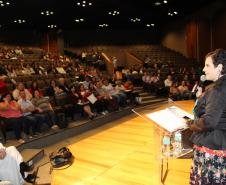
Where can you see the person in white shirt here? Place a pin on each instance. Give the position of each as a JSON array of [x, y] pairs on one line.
[[120, 96], [10, 160], [13, 170], [16, 92], [169, 81]]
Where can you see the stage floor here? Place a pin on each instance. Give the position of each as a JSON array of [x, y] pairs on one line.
[[124, 152]]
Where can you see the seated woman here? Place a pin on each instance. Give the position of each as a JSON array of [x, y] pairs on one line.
[[81, 103], [11, 115], [34, 87], [100, 104], [53, 89], [174, 92], [184, 91], [12, 167], [134, 97]]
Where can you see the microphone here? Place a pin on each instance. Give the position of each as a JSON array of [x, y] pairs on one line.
[[203, 78]]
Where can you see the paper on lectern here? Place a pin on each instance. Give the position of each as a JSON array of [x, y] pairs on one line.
[[171, 118]]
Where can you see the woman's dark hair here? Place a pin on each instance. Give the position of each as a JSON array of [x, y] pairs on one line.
[[4, 95], [219, 57]]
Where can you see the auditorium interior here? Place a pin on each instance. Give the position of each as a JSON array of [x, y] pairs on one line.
[[93, 72]]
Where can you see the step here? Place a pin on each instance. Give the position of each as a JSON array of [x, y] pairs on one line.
[[138, 91], [149, 102], [144, 94], [149, 97]]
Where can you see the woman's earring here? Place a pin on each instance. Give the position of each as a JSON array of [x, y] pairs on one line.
[[219, 75]]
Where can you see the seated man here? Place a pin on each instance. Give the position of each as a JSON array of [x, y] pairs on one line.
[[45, 109], [28, 111], [20, 87], [11, 162]]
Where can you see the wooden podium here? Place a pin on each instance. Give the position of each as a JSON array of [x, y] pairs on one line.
[[163, 121]]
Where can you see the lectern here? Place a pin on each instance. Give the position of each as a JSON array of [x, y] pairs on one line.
[[170, 118]]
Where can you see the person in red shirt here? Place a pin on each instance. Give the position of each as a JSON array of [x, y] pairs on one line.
[[11, 115]]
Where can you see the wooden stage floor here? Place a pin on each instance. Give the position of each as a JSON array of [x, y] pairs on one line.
[[124, 152]]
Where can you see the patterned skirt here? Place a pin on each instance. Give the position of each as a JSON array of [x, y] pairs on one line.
[[208, 167]]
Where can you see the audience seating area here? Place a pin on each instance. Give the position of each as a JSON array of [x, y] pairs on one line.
[[65, 82], [79, 85]]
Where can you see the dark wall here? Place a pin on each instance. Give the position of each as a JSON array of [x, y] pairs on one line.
[[219, 31], [205, 30], [54, 41], [20, 37], [110, 37]]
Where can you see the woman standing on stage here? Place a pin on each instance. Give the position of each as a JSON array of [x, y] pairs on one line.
[[209, 126]]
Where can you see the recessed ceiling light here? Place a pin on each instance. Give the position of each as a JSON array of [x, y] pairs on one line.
[[103, 25], [113, 13], [149, 25], [84, 3], [19, 21], [157, 3], [135, 19], [52, 26], [172, 13], [6, 3], [47, 13], [79, 20]]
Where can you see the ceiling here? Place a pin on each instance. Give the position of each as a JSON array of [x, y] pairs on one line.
[[95, 14]]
